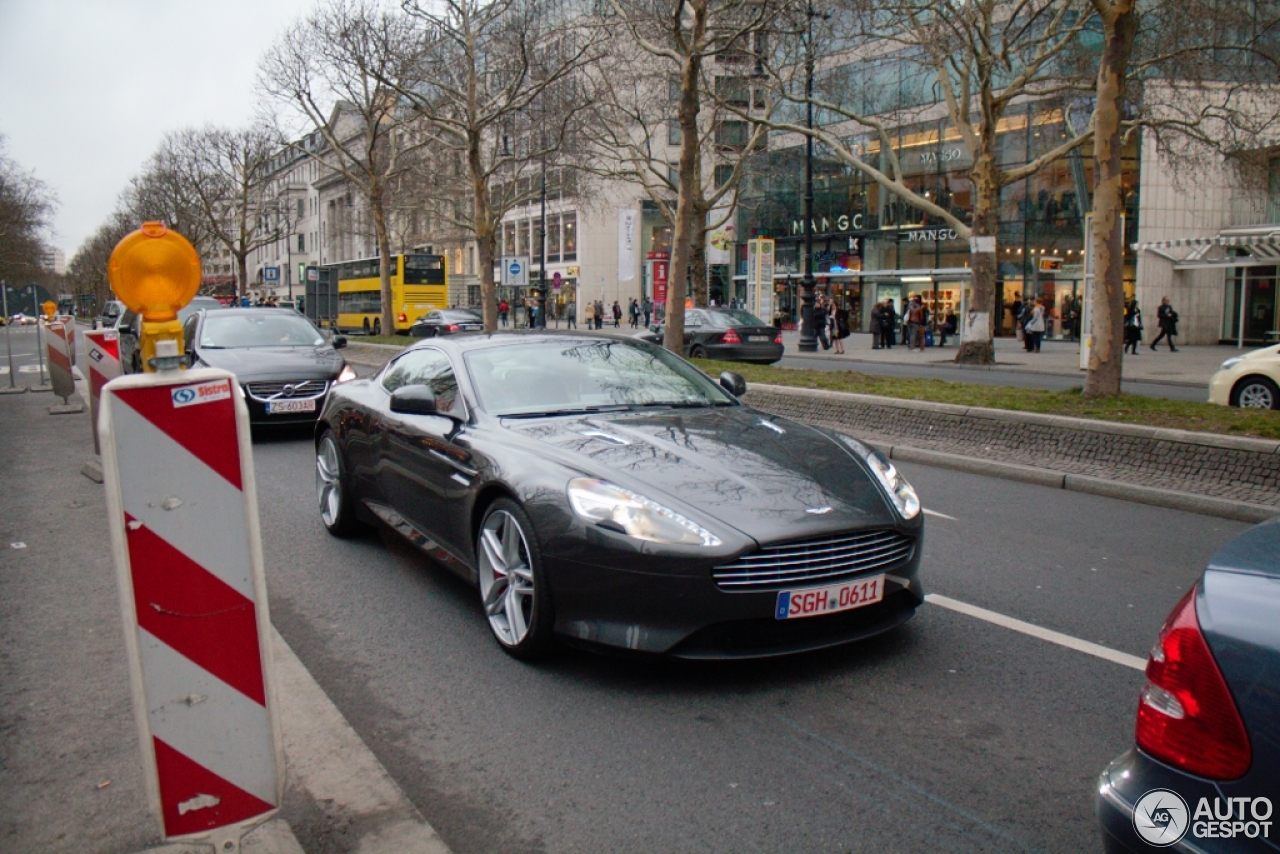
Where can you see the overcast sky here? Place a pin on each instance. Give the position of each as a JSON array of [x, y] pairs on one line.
[[89, 87]]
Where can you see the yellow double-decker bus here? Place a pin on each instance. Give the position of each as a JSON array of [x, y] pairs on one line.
[[419, 283]]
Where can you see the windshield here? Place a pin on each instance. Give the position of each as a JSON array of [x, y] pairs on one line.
[[555, 377], [267, 329], [460, 316], [195, 305]]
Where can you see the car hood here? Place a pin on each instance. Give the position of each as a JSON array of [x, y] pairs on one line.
[[778, 482], [256, 364]]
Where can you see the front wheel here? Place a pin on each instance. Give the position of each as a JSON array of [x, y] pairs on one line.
[[513, 588], [1257, 393], [697, 353], [377, 327], [336, 509]]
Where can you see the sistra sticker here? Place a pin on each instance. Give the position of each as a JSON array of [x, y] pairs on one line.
[[190, 395]]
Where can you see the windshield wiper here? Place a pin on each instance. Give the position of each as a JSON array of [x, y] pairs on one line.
[[576, 410]]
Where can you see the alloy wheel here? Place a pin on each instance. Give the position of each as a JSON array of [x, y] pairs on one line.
[[1257, 395], [329, 481], [506, 577]]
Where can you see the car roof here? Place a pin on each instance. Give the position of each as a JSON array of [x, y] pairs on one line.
[[488, 340]]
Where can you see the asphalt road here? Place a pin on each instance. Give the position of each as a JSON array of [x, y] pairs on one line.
[[1016, 379], [949, 734]]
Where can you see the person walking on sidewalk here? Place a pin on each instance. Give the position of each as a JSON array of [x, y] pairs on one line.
[[1167, 318], [571, 314], [888, 320], [842, 328], [915, 321], [877, 320], [819, 320], [1035, 327], [1132, 328]]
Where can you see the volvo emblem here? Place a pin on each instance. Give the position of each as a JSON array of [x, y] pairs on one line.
[[287, 391]]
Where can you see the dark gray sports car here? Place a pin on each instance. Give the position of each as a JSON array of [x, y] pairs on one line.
[[606, 492]]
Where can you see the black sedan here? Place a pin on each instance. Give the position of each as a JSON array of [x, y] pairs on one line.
[[606, 492], [285, 365], [129, 325], [446, 321], [733, 334], [1204, 774]]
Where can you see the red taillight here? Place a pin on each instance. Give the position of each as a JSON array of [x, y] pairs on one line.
[[402, 318], [730, 337], [1186, 716], [453, 327], [777, 339]]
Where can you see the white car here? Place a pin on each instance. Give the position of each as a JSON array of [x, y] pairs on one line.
[[23, 320], [1251, 380]]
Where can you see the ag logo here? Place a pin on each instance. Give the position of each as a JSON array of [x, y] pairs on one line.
[[184, 395], [1160, 817]]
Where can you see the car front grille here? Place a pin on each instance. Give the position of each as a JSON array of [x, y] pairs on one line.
[[825, 560], [287, 389]]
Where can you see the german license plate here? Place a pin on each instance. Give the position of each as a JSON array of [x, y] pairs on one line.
[[277, 407], [758, 338], [832, 599]]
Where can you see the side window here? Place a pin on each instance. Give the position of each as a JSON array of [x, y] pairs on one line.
[[189, 332], [433, 317], [127, 322], [426, 367]]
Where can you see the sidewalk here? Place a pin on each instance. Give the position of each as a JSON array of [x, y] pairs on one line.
[[1191, 365], [69, 751]]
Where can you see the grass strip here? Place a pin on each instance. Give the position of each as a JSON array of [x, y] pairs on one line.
[[1127, 408]]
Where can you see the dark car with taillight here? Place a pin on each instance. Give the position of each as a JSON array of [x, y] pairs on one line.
[[283, 363], [446, 321], [1204, 773], [733, 334]]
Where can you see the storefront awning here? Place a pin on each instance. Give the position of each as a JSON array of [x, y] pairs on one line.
[[1260, 246]]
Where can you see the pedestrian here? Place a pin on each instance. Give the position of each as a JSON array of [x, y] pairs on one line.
[[1167, 318], [949, 324], [819, 321], [915, 322], [571, 314], [877, 318], [1015, 309], [1024, 321], [648, 312], [1035, 325], [842, 328], [633, 313], [617, 315], [888, 320], [503, 308], [1132, 327], [599, 314]]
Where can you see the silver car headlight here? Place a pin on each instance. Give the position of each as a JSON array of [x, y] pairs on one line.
[[347, 375], [637, 516], [1231, 363], [902, 493]]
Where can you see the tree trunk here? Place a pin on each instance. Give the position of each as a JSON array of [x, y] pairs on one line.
[[388, 322], [978, 326], [681, 250], [486, 233], [698, 263], [242, 273], [1106, 352]]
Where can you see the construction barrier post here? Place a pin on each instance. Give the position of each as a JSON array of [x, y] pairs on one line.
[[60, 377], [178, 473], [102, 347]]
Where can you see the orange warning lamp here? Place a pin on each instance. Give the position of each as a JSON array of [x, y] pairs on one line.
[[155, 272], [49, 307]]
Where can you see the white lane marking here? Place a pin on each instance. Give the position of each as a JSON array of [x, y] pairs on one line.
[[929, 512], [1035, 631]]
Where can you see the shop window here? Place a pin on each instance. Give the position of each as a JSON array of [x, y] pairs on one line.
[[570, 228], [553, 238]]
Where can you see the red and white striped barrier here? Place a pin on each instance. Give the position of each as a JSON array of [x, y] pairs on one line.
[[178, 471], [69, 323], [58, 354], [102, 346]]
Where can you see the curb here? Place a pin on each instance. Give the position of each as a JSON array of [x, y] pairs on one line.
[[1240, 511]]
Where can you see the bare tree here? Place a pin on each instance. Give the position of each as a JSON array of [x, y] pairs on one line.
[[87, 269], [497, 100], [26, 210], [1207, 72], [635, 118], [339, 71]]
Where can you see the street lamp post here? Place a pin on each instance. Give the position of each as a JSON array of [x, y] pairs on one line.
[[808, 335], [542, 248]]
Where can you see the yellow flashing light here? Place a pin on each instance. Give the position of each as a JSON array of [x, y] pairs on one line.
[[155, 272], [50, 308]]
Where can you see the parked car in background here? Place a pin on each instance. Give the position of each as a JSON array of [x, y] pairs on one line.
[[604, 491], [130, 328], [1204, 774], [446, 321], [1251, 381], [734, 334], [22, 320], [284, 364]]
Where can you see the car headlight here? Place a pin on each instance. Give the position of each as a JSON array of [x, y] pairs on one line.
[[348, 374], [903, 494], [1231, 363], [637, 516]]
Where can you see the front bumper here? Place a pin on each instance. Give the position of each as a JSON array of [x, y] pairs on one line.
[[683, 613], [1220, 387]]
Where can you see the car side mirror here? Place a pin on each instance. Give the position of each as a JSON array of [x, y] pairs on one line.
[[339, 341], [733, 383], [414, 400]]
